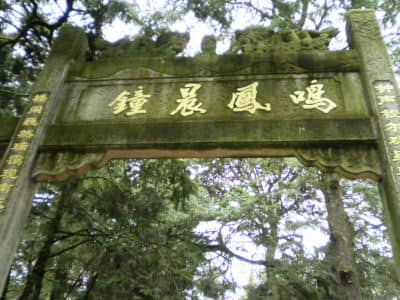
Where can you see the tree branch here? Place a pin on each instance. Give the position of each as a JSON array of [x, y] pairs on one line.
[[224, 247], [263, 14], [54, 254], [304, 11], [14, 93]]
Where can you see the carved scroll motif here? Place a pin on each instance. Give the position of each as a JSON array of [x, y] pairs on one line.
[[353, 162], [360, 162], [60, 166]]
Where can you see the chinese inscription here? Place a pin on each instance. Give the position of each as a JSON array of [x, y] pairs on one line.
[[131, 105], [32, 121], [384, 88], [189, 104], [20, 146], [394, 140], [15, 160], [245, 100], [388, 110], [390, 113], [393, 127], [25, 134], [312, 98]]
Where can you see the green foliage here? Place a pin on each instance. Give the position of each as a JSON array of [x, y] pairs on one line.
[[131, 231], [126, 234], [275, 204], [265, 200], [15, 78], [214, 9]]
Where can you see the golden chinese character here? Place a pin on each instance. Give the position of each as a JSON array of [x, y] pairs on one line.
[[245, 100], [2, 203], [386, 99], [25, 134], [36, 109], [20, 146], [133, 105], [314, 98], [396, 155], [9, 174], [384, 88], [30, 122], [15, 159], [394, 140], [188, 105], [393, 127], [40, 98], [390, 113], [5, 188]]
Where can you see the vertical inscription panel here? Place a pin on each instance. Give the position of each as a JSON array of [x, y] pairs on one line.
[[389, 113], [20, 147]]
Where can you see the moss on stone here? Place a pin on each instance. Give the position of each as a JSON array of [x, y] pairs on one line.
[[257, 39], [7, 125], [230, 64], [166, 44]]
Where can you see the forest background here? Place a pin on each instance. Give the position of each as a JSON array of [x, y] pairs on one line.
[[170, 229]]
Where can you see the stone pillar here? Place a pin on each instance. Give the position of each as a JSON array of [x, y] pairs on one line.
[[383, 99], [16, 186]]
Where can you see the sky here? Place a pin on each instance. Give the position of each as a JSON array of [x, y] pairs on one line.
[[242, 19], [241, 272]]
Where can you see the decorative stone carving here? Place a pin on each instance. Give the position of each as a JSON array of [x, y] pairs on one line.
[[166, 44], [260, 40], [350, 162], [62, 165]]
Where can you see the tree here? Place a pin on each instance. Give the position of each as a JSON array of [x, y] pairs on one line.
[[126, 231], [340, 254], [27, 28], [275, 204], [160, 215], [270, 202]]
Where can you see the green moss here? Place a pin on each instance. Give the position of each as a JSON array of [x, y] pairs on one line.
[[259, 39], [207, 65], [72, 43], [209, 135], [7, 126], [167, 44]]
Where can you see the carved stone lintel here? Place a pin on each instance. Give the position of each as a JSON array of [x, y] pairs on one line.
[[355, 162]]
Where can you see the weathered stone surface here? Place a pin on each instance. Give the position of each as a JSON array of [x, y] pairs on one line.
[[88, 100], [205, 65], [376, 68], [71, 45], [79, 130], [7, 126], [207, 135]]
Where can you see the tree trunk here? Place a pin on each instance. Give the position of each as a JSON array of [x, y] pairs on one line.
[[59, 286], [34, 280], [89, 287], [340, 254], [270, 259]]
